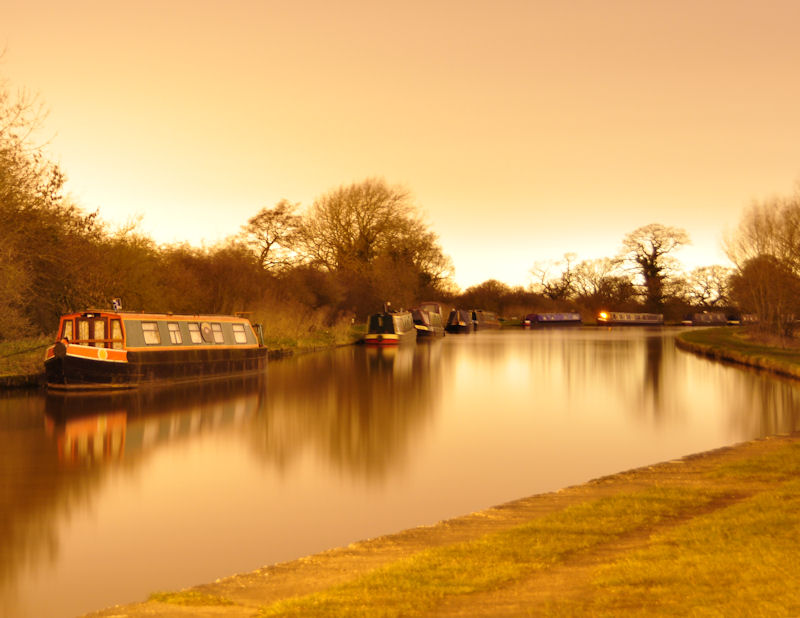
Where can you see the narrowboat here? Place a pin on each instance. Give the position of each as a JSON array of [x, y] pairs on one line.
[[482, 320], [709, 318], [390, 328], [552, 319], [428, 320], [99, 349], [616, 318], [459, 321]]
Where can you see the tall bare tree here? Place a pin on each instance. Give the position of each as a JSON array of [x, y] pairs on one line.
[[709, 286], [370, 235], [351, 225], [273, 234], [765, 248], [555, 279], [648, 250]]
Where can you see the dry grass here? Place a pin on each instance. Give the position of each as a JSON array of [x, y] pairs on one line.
[[297, 326], [23, 356]]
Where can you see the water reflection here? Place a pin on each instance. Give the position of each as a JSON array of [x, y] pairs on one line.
[[329, 448], [357, 408], [101, 427], [51, 476]]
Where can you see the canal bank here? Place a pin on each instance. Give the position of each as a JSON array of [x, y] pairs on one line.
[[732, 345], [692, 531]]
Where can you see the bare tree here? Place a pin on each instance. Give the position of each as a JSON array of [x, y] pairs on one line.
[[768, 288], [648, 249], [600, 283], [273, 234], [369, 235], [765, 248], [351, 225], [709, 286], [558, 286]]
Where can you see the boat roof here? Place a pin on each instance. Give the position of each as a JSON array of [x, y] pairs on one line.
[[140, 315]]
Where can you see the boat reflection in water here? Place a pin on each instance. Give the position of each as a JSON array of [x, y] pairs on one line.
[[102, 427]]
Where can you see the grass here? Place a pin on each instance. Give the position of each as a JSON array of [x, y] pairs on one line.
[[23, 356], [740, 561], [191, 598], [737, 345], [297, 327]]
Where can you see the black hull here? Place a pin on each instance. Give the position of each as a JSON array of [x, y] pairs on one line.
[[142, 368], [457, 329]]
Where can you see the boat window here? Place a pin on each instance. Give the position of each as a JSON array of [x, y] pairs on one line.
[[174, 332], [83, 331], [216, 328], [194, 332], [151, 335], [116, 334], [67, 332], [99, 332], [239, 336]]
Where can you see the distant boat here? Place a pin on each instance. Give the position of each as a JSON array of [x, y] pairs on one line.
[[618, 318], [114, 349], [459, 321], [428, 320], [390, 328], [482, 320], [552, 319], [707, 318]]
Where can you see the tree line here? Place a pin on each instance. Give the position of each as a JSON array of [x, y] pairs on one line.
[[354, 248]]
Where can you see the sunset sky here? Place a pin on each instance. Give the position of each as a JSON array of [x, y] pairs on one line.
[[524, 129]]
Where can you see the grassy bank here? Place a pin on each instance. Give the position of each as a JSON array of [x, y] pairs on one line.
[[736, 345], [22, 361]]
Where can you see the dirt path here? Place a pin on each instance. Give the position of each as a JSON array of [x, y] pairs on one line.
[[249, 591]]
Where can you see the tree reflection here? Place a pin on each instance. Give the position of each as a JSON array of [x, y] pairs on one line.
[[358, 409], [653, 368]]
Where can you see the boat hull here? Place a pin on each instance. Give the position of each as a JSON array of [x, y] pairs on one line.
[[71, 370], [390, 338], [429, 332]]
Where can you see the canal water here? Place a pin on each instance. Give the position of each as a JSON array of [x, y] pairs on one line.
[[104, 499]]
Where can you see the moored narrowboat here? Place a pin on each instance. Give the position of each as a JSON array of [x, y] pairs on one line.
[[552, 319], [482, 320], [428, 320], [390, 328], [708, 318], [459, 321], [114, 349], [619, 318]]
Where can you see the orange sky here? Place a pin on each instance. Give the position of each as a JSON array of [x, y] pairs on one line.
[[524, 129]]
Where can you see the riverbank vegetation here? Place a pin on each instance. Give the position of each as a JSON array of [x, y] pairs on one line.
[[749, 346]]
